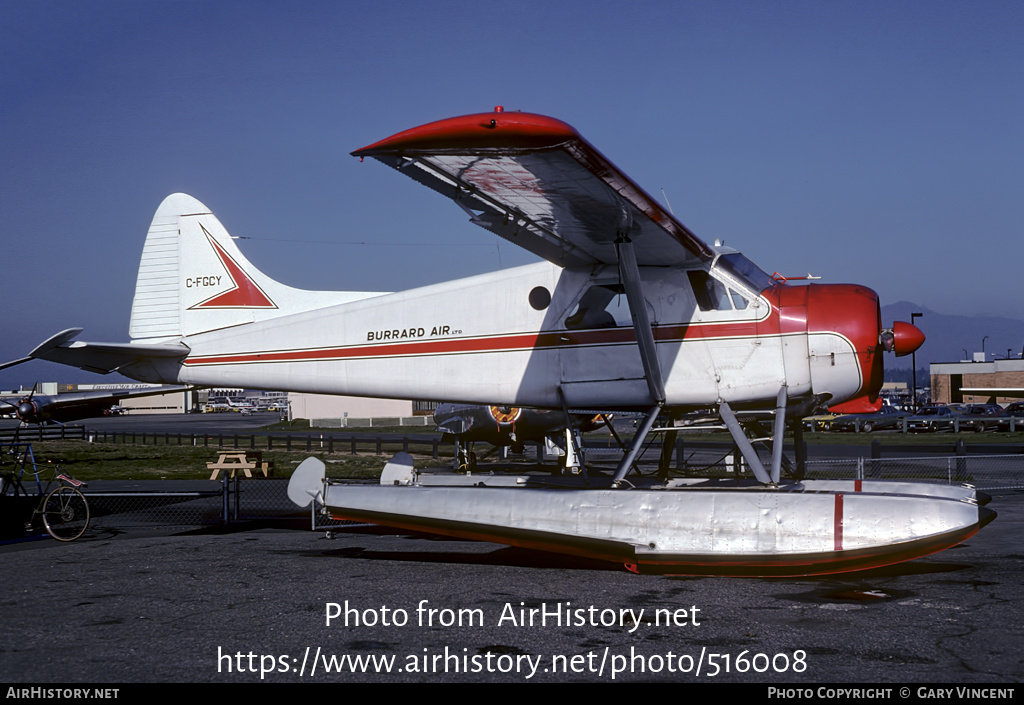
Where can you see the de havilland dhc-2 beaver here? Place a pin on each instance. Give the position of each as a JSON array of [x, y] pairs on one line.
[[630, 311]]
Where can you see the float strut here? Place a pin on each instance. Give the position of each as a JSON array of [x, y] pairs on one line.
[[634, 447], [780, 434], [743, 443]]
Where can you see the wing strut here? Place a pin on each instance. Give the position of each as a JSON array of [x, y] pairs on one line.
[[641, 323], [648, 353]]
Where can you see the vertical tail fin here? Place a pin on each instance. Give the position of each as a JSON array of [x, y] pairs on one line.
[[193, 278]]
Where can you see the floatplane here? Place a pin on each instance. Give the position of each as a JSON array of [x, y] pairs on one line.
[[628, 311]]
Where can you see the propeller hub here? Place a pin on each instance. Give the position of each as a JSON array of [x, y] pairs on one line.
[[902, 339], [27, 411]]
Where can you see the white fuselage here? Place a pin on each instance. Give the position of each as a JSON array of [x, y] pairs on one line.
[[480, 340]]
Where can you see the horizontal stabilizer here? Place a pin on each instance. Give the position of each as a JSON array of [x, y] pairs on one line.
[[44, 347], [106, 357]]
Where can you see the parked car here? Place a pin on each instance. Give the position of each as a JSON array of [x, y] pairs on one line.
[[984, 417], [818, 422], [930, 419], [885, 418], [1016, 409]]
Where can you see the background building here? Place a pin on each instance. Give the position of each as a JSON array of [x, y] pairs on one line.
[[1003, 379]]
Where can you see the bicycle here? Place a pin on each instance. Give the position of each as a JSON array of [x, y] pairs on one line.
[[63, 510]]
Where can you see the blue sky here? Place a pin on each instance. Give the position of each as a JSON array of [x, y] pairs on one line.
[[871, 142]]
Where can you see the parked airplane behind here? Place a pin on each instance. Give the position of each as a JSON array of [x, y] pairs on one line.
[[504, 426], [64, 408]]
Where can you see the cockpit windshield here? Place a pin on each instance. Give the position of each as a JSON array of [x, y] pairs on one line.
[[738, 266]]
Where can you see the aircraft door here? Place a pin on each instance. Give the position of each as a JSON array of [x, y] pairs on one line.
[[598, 354]]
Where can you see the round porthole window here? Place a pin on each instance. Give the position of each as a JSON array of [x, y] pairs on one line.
[[540, 298]]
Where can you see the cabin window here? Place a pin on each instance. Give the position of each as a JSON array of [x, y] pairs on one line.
[[739, 301], [600, 307], [713, 295]]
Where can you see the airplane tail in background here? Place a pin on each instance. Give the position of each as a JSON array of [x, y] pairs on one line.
[[193, 279]]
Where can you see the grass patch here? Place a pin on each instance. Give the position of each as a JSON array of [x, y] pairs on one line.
[[115, 461]]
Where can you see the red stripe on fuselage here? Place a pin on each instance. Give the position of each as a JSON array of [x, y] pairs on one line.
[[676, 333], [500, 343]]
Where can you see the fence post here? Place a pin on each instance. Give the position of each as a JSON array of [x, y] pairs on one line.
[[876, 458], [224, 498], [961, 460], [799, 450]]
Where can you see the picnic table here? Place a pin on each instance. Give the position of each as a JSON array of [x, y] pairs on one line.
[[241, 460]]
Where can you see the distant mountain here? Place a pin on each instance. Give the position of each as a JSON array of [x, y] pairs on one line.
[[955, 338]]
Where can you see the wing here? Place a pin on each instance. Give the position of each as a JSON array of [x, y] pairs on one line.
[[536, 182]]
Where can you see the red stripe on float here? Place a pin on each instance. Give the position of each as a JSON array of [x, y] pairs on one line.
[[837, 523]]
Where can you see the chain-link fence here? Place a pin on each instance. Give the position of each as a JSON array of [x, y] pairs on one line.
[[266, 500], [117, 511], [185, 504], [986, 472]]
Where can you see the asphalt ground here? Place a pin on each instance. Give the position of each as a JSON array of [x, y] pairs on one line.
[[251, 605]]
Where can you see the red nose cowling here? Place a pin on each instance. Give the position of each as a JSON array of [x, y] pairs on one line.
[[848, 310], [854, 312]]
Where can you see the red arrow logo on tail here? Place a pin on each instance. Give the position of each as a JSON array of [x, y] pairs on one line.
[[245, 293]]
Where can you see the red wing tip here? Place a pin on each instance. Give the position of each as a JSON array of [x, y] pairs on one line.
[[493, 130]]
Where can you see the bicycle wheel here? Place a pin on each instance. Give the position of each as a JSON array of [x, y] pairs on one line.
[[65, 514]]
